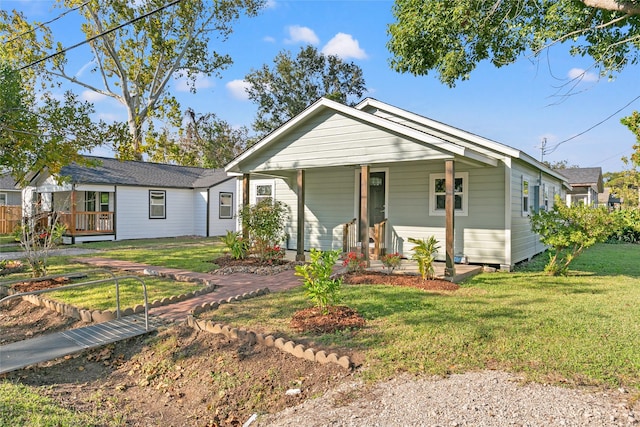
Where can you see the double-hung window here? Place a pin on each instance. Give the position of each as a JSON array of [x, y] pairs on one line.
[[157, 204], [264, 192], [438, 193], [525, 196], [226, 206]]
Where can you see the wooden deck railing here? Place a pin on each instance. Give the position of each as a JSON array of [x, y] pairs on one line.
[[83, 223], [350, 236], [379, 239], [10, 217]]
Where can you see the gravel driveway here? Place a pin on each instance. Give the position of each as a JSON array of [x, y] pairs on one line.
[[487, 398]]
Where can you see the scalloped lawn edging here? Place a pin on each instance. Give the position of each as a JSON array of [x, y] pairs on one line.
[[251, 337]]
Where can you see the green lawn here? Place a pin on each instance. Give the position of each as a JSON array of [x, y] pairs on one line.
[[581, 329]]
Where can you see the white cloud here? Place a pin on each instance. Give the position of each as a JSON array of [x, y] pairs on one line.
[[582, 75], [238, 89], [271, 4], [202, 82], [91, 96], [269, 39], [108, 117], [301, 34], [344, 46]]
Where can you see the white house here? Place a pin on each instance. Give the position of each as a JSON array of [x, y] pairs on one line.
[[378, 174], [118, 200]]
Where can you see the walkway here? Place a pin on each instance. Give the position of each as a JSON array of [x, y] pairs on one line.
[[48, 347]]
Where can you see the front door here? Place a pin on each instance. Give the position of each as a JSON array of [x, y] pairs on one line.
[[377, 195]]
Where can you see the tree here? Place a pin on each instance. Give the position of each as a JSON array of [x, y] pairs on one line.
[[136, 62], [293, 84], [451, 37], [569, 230], [206, 141], [632, 122], [560, 164], [48, 133]]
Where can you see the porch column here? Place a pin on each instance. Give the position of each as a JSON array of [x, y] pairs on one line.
[[364, 212], [245, 202], [449, 209], [72, 229], [300, 235]]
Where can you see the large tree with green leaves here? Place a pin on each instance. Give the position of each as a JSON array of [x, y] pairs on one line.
[[450, 37], [204, 141], [135, 62], [49, 132], [292, 84]]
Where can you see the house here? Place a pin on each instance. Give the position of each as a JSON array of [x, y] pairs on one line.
[[377, 174], [608, 199], [586, 184], [10, 204], [118, 200]]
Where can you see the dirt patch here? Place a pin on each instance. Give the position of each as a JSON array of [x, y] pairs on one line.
[[182, 377], [39, 285], [411, 280], [336, 318], [253, 265]]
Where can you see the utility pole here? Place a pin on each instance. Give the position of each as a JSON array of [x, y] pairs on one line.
[[543, 146]]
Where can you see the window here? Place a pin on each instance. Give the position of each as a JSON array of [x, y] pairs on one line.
[[438, 193], [525, 196], [3, 199], [157, 200], [104, 202], [90, 201], [545, 195], [226, 206], [263, 192]]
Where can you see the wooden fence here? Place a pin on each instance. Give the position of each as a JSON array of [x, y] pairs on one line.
[[9, 218]]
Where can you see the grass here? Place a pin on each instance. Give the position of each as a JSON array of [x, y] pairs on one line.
[[195, 254], [5, 239], [581, 329]]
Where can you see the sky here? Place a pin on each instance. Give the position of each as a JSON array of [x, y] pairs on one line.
[[518, 105]]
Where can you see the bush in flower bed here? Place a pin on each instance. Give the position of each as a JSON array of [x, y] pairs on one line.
[[391, 261], [354, 261]]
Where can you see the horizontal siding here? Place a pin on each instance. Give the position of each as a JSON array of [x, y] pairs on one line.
[[217, 226], [132, 214], [328, 139]]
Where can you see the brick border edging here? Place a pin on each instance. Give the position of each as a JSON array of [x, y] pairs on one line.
[[297, 350], [99, 316]]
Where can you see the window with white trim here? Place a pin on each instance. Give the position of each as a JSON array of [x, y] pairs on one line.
[[264, 192], [438, 193], [226, 206], [545, 195], [525, 196], [157, 204], [3, 199]]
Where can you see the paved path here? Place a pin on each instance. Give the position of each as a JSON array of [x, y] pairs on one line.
[[226, 285]]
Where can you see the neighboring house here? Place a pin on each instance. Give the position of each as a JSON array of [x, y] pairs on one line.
[[586, 184], [10, 194], [118, 200], [608, 199], [399, 175], [10, 204]]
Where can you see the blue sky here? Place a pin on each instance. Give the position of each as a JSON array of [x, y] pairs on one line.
[[517, 105]]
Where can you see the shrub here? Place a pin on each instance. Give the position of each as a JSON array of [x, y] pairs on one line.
[[391, 261], [236, 244], [569, 230], [273, 254], [354, 261], [265, 223], [37, 235], [320, 287], [424, 253], [626, 226]]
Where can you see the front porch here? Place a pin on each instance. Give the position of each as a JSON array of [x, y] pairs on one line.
[[87, 226], [462, 271]]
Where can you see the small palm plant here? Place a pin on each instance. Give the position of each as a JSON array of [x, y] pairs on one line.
[[424, 253]]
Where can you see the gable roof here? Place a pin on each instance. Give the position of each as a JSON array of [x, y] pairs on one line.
[[145, 174], [7, 182], [584, 177], [443, 138]]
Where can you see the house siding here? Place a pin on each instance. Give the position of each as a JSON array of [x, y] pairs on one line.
[[132, 216], [329, 138], [218, 226]]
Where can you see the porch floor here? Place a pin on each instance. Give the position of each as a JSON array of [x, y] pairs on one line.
[[463, 271]]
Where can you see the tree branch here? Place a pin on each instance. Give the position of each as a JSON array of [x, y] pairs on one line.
[[628, 7]]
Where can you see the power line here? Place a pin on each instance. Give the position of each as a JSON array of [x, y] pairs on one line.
[[555, 147], [47, 23], [104, 33]]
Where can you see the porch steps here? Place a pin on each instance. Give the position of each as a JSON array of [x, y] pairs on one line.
[[19, 354]]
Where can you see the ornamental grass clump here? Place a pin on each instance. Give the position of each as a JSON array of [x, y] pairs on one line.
[[238, 246], [424, 253], [320, 287]]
